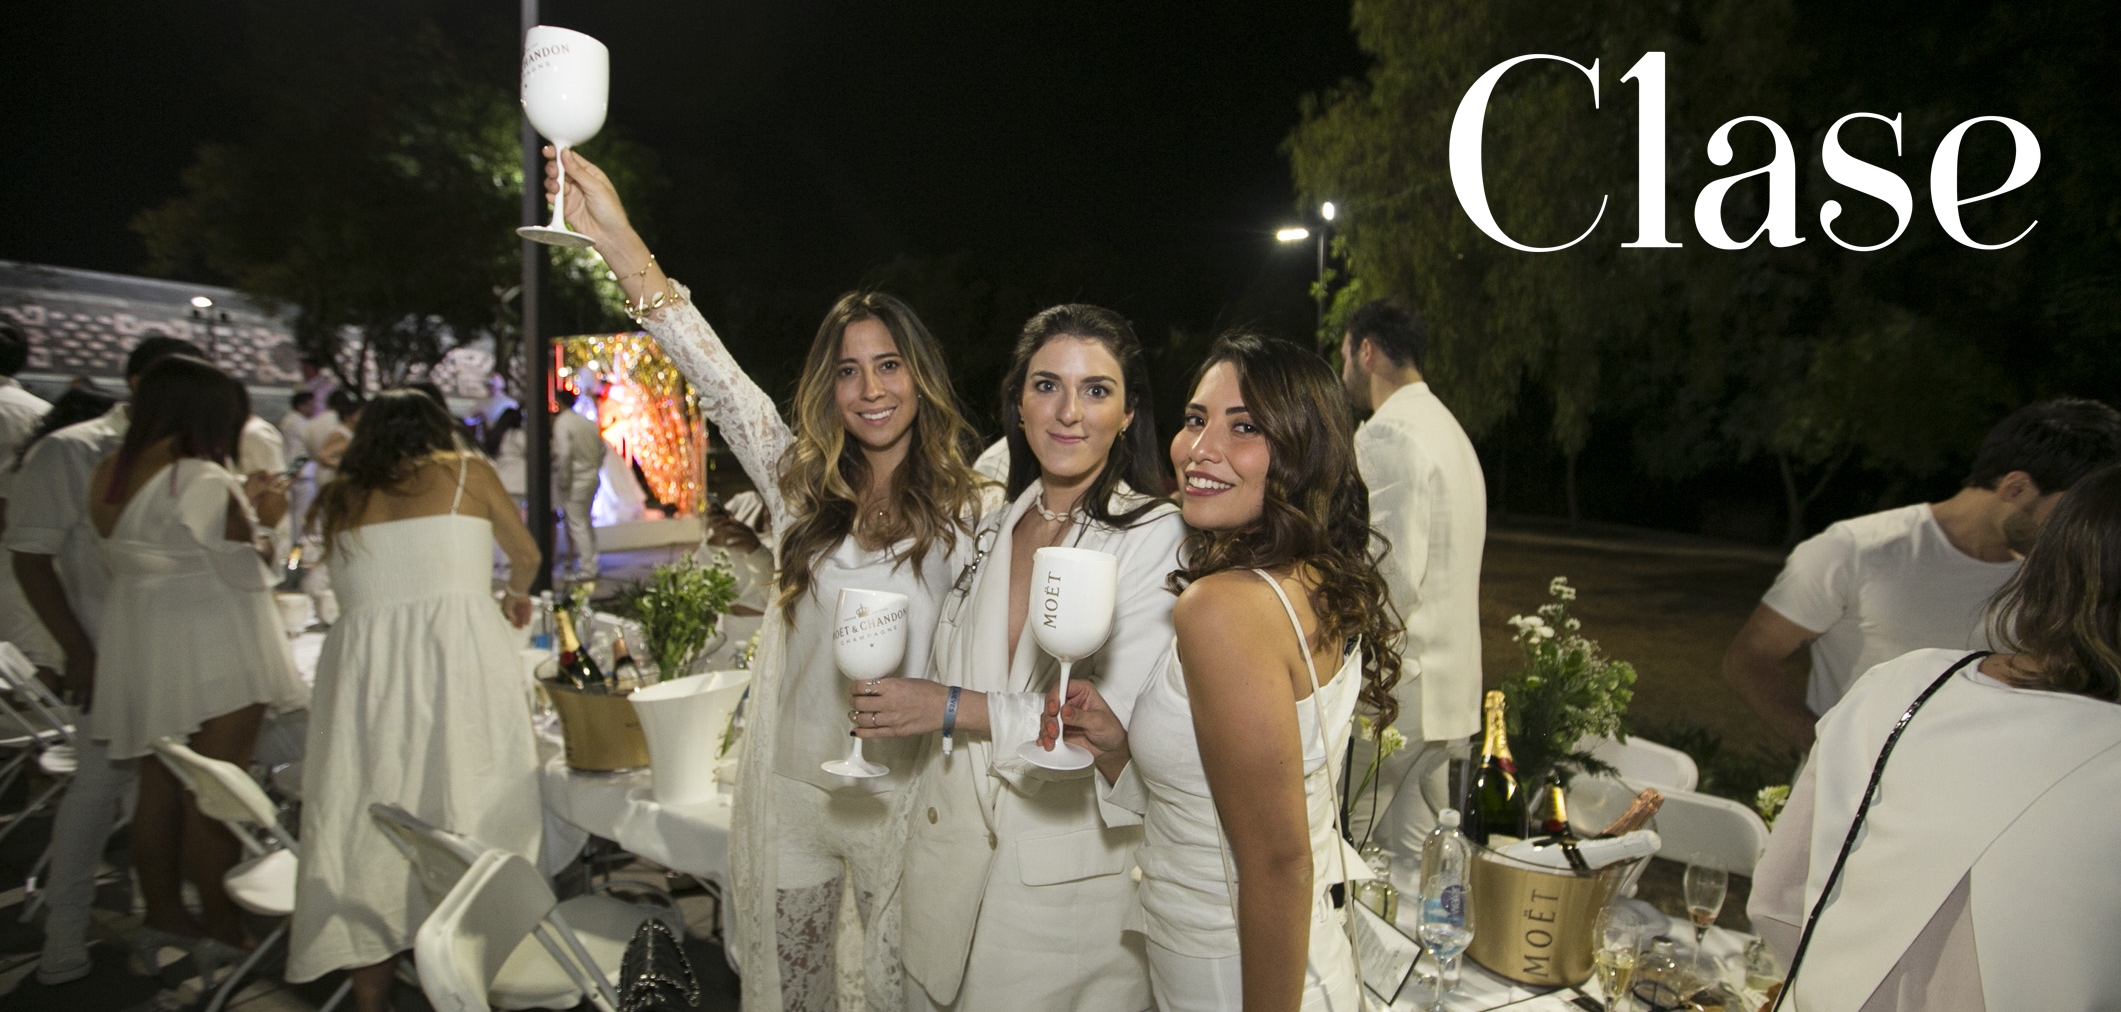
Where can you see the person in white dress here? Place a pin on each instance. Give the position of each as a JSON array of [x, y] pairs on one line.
[[868, 489], [1017, 883], [420, 701], [1232, 753], [191, 646]]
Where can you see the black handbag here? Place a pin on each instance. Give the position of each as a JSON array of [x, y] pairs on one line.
[[654, 975], [1863, 808]]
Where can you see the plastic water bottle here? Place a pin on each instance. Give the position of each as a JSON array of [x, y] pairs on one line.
[[1446, 865]]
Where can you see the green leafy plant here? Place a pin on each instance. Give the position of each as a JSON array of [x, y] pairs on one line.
[[1566, 691], [679, 607], [1770, 801]]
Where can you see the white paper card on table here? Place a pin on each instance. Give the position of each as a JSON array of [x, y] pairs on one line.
[[1384, 954]]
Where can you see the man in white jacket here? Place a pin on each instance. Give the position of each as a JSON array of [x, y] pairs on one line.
[[577, 456], [1429, 499]]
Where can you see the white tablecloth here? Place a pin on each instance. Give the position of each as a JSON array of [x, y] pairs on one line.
[[693, 839]]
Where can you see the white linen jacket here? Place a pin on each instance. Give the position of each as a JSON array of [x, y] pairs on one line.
[[986, 824], [1429, 499]]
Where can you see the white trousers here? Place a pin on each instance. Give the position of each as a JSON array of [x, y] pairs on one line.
[[824, 959], [1216, 983], [88, 812], [575, 504]]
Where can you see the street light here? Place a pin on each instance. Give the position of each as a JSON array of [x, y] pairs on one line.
[[202, 314], [202, 302], [1293, 234], [1327, 210]]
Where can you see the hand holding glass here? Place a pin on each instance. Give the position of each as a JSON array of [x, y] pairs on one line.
[[566, 83], [1073, 592], [868, 641]]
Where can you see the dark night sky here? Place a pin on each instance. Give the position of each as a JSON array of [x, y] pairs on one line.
[[804, 142]]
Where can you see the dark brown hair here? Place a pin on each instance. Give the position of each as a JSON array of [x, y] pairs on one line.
[[1135, 454], [397, 432], [1316, 507], [936, 494], [187, 400], [2062, 609]]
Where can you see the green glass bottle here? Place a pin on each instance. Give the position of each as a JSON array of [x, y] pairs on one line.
[[1493, 800]]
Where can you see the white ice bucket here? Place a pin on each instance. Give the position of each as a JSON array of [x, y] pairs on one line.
[[683, 720]]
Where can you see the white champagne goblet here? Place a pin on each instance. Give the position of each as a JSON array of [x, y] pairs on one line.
[[566, 84], [1073, 592], [868, 641]]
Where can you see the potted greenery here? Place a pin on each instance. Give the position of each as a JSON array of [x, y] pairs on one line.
[[680, 607], [1566, 691]]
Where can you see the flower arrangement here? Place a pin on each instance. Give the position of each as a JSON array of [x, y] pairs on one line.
[[679, 607], [1770, 801], [1566, 690], [1388, 740]]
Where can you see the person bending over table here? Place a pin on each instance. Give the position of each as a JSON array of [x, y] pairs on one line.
[[869, 490], [1232, 749], [1017, 883], [1983, 877]]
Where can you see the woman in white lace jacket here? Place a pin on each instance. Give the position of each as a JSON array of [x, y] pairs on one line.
[[1015, 884], [868, 488]]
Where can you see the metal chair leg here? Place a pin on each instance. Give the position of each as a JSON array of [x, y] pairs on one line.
[[34, 807], [345, 988], [228, 987]]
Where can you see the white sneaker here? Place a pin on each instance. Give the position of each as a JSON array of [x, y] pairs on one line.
[[63, 967]]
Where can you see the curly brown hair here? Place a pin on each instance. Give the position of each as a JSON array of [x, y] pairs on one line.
[[936, 493], [1316, 508], [2062, 608]]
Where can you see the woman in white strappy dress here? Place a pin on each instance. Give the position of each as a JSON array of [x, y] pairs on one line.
[[420, 699], [1231, 751], [868, 489], [191, 646]]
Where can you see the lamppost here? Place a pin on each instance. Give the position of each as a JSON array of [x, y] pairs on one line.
[[202, 313], [1327, 212]]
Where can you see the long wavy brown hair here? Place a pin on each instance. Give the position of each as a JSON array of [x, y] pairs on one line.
[[397, 432], [2062, 609], [936, 495], [1316, 507]]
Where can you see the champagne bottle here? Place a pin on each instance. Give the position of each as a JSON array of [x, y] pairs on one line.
[[1492, 806], [1556, 828], [625, 671], [1638, 814], [576, 665], [1594, 854]]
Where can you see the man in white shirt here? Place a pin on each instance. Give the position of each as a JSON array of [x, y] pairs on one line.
[[1869, 589], [577, 457], [301, 406], [20, 411], [58, 558], [1429, 499]]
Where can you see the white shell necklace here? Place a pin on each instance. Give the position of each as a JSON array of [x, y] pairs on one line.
[[1064, 517]]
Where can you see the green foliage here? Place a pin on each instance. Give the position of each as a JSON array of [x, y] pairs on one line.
[[377, 193], [1566, 691], [679, 606]]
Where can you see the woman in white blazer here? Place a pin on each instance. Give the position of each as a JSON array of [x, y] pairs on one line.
[[1983, 876], [1015, 888]]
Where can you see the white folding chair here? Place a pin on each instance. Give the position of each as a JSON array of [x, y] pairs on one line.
[[1646, 762], [580, 941], [466, 948], [39, 731], [1707, 830], [263, 883]]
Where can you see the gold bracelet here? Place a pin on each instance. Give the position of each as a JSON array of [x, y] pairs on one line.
[[643, 272], [647, 304]]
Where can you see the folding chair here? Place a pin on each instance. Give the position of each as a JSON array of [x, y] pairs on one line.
[[1647, 762], [264, 883], [581, 941], [481, 930], [45, 738], [1707, 830]]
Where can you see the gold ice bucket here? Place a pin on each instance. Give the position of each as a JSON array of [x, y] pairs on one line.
[[1533, 924], [601, 732]]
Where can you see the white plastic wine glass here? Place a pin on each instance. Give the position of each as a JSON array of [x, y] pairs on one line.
[[1705, 889], [566, 84], [1073, 591], [868, 641]]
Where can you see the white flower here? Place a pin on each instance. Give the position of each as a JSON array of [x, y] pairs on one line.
[[1560, 589], [1545, 632], [1572, 625], [1390, 741], [1364, 729]]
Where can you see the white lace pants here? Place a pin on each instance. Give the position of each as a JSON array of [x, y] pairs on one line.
[[819, 830]]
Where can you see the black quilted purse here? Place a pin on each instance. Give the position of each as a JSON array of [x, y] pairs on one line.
[[654, 975]]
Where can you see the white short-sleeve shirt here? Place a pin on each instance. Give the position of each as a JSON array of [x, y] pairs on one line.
[[1877, 586]]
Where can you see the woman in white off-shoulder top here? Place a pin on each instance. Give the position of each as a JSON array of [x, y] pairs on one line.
[[868, 488], [1231, 750]]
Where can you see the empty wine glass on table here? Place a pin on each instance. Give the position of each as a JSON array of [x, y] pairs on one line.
[[566, 85], [1705, 888], [1073, 592], [868, 641]]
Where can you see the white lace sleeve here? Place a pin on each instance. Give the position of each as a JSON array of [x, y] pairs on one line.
[[747, 417]]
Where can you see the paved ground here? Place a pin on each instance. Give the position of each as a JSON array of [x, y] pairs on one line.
[[1667, 604]]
